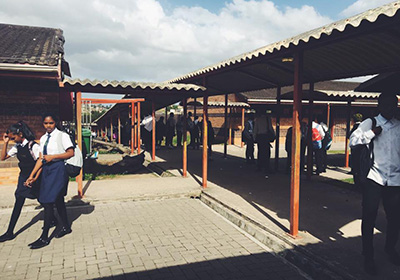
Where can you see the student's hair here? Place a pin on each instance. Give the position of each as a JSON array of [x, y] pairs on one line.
[[51, 115], [21, 127]]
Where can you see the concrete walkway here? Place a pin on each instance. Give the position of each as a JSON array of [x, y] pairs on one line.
[[330, 209]]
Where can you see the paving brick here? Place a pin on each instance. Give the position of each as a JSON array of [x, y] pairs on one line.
[[160, 239]]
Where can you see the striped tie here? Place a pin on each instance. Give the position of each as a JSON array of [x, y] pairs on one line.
[[45, 145]]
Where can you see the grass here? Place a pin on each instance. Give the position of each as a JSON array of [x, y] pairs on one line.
[[348, 180], [90, 176], [335, 152]]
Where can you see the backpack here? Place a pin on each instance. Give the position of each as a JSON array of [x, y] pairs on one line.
[[366, 153], [74, 164], [327, 141], [316, 138]]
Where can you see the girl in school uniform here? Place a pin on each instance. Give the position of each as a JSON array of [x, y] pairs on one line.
[[27, 152], [55, 147]]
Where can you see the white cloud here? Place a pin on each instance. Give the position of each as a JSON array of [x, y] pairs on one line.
[[137, 40], [361, 6]]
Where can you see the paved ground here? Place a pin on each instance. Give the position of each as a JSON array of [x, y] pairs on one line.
[[154, 239]]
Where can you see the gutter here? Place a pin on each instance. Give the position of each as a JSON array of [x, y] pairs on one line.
[[28, 68]]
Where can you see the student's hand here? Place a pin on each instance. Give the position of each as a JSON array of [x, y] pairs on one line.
[[377, 130], [6, 139], [48, 158], [28, 183]]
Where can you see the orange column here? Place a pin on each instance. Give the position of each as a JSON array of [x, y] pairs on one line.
[[295, 173], [346, 141], [132, 127], [309, 134], [153, 132], [138, 127], [135, 125], [184, 148], [226, 131], [119, 127], [78, 106], [111, 129], [241, 142], [205, 139]]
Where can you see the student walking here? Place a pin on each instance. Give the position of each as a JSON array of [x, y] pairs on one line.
[[55, 147], [382, 180], [27, 152]]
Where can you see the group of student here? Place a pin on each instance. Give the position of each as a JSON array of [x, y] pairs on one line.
[[173, 127], [43, 175], [258, 129]]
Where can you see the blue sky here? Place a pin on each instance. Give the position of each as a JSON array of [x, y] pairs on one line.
[[158, 40]]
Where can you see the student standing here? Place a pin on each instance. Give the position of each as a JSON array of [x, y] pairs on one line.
[[383, 179], [249, 139], [56, 146], [27, 152], [264, 134]]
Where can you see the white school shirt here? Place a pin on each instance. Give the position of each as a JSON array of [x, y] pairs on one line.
[[386, 167], [52, 147], [14, 149], [147, 122]]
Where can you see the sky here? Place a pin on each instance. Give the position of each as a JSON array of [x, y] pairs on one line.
[[158, 40]]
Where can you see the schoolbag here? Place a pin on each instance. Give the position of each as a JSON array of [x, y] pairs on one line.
[[366, 152], [74, 164], [327, 141], [316, 139], [30, 146]]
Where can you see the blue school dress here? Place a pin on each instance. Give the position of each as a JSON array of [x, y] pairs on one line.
[[54, 176]]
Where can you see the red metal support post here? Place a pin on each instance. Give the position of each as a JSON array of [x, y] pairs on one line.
[[278, 126], [132, 127], [226, 131], [153, 131], [78, 106], [138, 127], [205, 136], [119, 127], [295, 173], [241, 142], [309, 134], [346, 141], [184, 148]]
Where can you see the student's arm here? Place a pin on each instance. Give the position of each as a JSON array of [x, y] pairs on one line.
[[38, 166], [68, 154], [4, 155], [364, 134]]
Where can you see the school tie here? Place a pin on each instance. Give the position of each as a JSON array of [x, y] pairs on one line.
[[45, 145]]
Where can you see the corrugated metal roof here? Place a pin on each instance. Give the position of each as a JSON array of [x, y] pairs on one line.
[[367, 43], [219, 104], [131, 85], [333, 95], [30, 45]]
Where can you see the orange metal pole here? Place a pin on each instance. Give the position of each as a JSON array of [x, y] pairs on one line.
[[78, 106], [241, 142], [278, 126], [309, 135], [184, 148], [226, 131], [153, 132], [135, 125], [119, 127], [205, 138], [138, 127], [111, 128], [346, 148], [132, 127], [295, 174], [328, 115]]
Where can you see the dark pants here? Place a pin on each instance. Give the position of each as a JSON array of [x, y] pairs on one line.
[[179, 138], [319, 157], [264, 152], [372, 194], [170, 135], [249, 149], [302, 158]]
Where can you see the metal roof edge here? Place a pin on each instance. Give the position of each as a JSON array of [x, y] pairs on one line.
[[27, 67]]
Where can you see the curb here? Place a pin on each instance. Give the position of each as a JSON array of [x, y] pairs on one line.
[[306, 261]]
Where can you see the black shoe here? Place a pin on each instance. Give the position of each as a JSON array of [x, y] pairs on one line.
[[63, 231], [7, 236], [40, 243], [370, 267], [393, 256]]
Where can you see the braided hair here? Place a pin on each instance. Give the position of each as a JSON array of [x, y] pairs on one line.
[[22, 127]]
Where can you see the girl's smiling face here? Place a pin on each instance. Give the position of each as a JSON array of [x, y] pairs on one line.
[[49, 124]]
